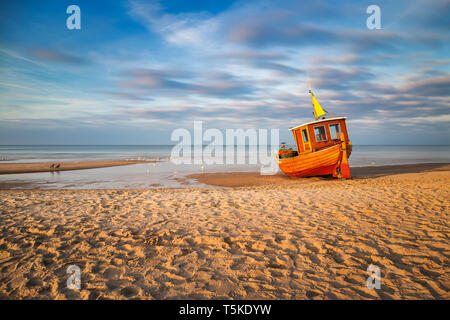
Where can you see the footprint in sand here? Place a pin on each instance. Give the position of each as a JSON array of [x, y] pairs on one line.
[[130, 291], [311, 294]]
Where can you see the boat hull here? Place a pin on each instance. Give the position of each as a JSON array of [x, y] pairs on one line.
[[328, 161]]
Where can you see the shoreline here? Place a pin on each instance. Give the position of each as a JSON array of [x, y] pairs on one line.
[[239, 179], [32, 167]]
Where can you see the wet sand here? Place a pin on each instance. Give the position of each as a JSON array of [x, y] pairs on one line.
[[246, 179], [9, 168], [309, 239]]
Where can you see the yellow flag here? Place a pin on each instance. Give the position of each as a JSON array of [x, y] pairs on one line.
[[318, 111]]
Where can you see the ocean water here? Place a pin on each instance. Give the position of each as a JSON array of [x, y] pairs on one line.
[[166, 173]]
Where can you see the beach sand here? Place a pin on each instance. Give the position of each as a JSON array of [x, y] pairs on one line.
[[246, 179], [306, 239]]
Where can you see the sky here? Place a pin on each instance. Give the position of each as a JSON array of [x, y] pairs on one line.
[[137, 70]]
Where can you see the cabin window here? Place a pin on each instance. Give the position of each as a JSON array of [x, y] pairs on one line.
[[335, 131], [320, 133], [305, 135]]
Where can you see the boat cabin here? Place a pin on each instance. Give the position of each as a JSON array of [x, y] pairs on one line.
[[319, 134]]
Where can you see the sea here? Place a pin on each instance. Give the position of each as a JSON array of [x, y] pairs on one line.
[[167, 174]]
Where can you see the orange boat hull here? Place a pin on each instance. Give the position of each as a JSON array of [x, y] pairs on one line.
[[328, 161]]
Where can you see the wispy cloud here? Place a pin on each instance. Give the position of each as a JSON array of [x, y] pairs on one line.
[[206, 84], [439, 86], [180, 29], [50, 55]]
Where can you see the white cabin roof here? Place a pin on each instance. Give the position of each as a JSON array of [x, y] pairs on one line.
[[318, 121]]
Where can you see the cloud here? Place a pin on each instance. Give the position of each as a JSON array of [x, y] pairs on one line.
[[428, 119], [248, 55], [179, 29], [339, 79], [126, 95], [16, 55], [262, 59], [219, 84], [280, 68], [345, 59], [154, 79], [50, 55], [277, 32], [439, 86], [403, 120]]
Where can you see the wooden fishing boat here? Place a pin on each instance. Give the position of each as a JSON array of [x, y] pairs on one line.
[[323, 147]]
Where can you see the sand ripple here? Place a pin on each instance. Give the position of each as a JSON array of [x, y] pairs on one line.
[[300, 241]]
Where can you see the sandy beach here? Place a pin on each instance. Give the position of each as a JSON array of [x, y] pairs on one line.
[[306, 239]]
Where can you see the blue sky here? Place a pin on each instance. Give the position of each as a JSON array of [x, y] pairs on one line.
[[139, 69]]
